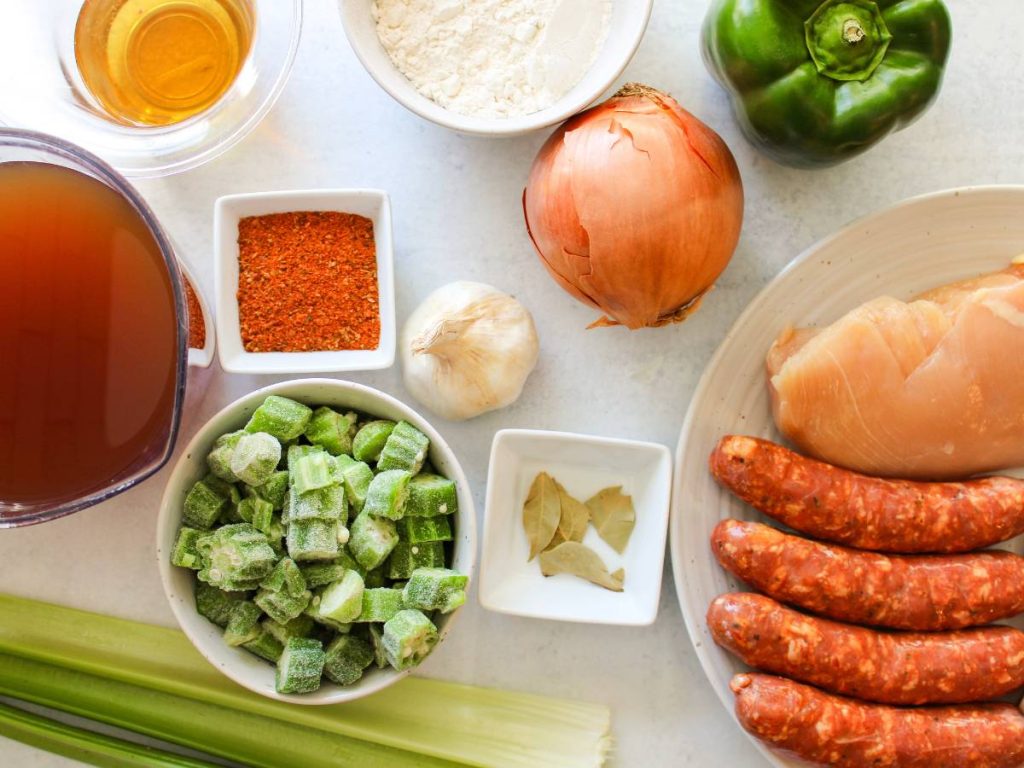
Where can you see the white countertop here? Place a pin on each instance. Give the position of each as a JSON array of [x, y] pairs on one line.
[[457, 215]]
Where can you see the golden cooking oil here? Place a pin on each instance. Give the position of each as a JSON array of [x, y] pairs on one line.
[[156, 62]]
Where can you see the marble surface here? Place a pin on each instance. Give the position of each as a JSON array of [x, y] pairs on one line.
[[457, 215]]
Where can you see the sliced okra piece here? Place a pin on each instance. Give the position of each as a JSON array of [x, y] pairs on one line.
[[273, 489], [255, 457], [332, 430], [281, 417], [408, 637], [406, 448], [215, 604], [342, 600], [203, 506], [431, 496], [313, 611], [219, 458], [369, 440], [243, 624], [184, 552], [406, 558], [312, 539], [328, 503], [377, 641], [235, 557], [311, 472], [296, 451], [255, 510], [286, 577], [417, 530], [280, 606], [300, 666], [387, 494], [371, 540], [301, 626], [435, 589], [356, 476], [346, 658], [380, 604], [322, 574], [266, 646]]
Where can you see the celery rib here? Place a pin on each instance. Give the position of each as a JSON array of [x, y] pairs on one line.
[[449, 721], [86, 746]]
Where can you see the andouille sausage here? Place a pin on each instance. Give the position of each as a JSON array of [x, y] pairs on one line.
[[832, 730], [917, 592], [838, 505], [888, 667]]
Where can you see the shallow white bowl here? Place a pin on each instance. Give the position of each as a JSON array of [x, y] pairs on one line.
[[375, 205], [901, 251], [179, 583], [584, 465], [626, 29]]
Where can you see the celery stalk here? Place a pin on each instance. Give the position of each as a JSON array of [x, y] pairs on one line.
[[460, 723], [86, 746], [249, 739]]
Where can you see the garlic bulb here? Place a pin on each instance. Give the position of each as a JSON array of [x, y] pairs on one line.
[[467, 349]]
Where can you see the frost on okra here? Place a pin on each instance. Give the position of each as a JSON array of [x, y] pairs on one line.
[[408, 637], [301, 626], [406, 448], [266, 646], [184, 552], [435, 589], [215, 604], [219, 459], [258, 512], [431, 496], [310, 472], [235, 557], [285, 577], [369, 440], [346, 658], [342, 601], [387, 494], [255, 458], [406, 558], [273, 489], [301, 665], [322, 574], [371, 540], [280, 606], [281, 417], [356, 476], [328, 503], [312, 539], [203, 506], [417, 530], [379, 604], [332, 430], [243, 623]]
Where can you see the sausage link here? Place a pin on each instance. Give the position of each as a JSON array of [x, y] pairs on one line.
[[831, 730], [834, 504], [918, 592], [887, 667]]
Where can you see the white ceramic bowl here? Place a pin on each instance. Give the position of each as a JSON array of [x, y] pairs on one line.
[[901, 251], [179, 583], [371, 203], [584, 465], [626, 29]]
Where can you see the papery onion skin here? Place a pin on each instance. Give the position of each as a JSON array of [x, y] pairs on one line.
[[635, 208]]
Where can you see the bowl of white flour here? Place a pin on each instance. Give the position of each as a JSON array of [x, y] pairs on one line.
[[495, 67]]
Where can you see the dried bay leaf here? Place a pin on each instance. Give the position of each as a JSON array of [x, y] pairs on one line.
[[580, 560], [613, 516], [573, 521], [541, 513]]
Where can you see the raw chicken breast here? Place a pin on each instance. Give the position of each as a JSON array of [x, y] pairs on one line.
[[930, 389]]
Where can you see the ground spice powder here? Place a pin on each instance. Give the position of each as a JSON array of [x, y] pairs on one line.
[[196, 322], [307, 281]]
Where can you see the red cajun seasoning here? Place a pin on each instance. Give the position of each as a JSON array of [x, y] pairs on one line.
[[307, 281], [196, 323]]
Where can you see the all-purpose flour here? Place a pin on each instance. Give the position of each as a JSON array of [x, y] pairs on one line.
[[493, 58]]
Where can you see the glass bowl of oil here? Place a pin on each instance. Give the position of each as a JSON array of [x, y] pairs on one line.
[[154, 87]]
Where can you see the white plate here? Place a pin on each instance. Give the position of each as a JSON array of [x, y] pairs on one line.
[[917, 244]]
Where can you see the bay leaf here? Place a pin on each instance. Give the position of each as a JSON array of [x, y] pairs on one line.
[[613, 516], [580, 560], [541, 513], [573, 520]]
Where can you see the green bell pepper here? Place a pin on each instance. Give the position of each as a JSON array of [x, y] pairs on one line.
[[814, 83]]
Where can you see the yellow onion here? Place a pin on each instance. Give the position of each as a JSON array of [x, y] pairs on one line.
[[635, 208]]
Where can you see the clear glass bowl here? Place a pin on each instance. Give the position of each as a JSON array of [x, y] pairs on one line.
[[22, 146], [41, 89]]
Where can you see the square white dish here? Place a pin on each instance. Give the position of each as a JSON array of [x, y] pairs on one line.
[[375, 205], [584, 464]]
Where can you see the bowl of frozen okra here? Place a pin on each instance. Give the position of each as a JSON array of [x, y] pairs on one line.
[[315, 540]]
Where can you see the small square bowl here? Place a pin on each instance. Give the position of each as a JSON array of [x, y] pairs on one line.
[[371, 203], [584, 465]]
